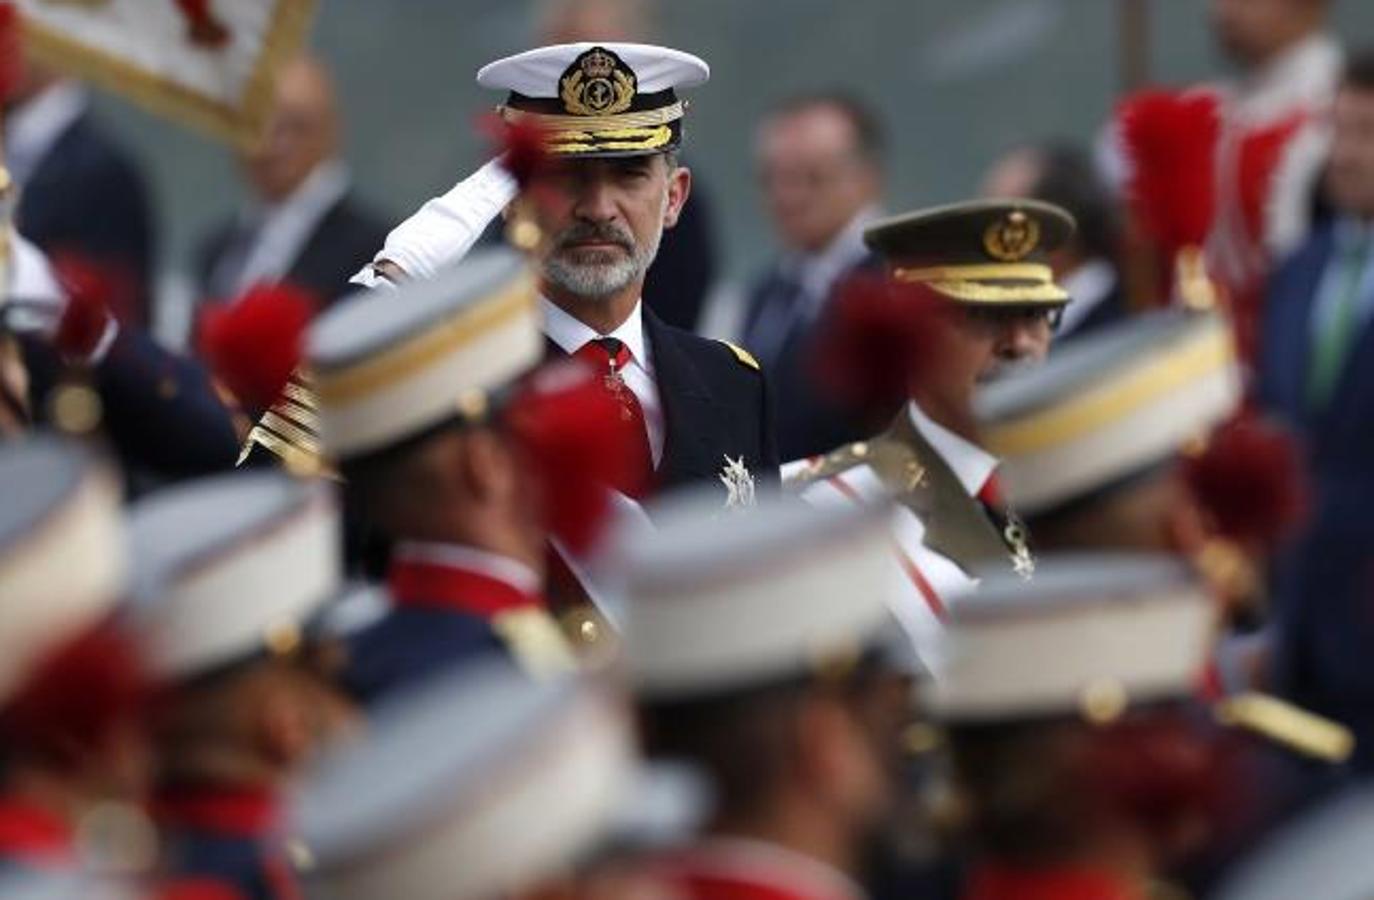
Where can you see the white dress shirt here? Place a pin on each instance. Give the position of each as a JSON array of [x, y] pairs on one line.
[[571, 335], [1088, 285]]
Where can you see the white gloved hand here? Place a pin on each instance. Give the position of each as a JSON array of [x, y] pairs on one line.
[[443, 230]]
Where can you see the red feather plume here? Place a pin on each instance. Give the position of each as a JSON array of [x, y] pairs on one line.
[[11, 51], [1250, 481], [880, 338], [572, 434], [254, 343], [76, 696], [90, 292], [522, 146], [1170, 141]]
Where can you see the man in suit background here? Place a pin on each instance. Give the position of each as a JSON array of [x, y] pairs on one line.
[[301, 222], [819, 160], [1087, 266], [1317, 372], [81, 193]]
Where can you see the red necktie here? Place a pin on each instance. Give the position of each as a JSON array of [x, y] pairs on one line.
[[991, 493], [610, 356]]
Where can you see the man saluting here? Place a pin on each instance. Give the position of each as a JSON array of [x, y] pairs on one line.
[[612, 123]]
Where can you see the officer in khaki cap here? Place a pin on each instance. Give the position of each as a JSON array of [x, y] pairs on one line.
[[988, 261]]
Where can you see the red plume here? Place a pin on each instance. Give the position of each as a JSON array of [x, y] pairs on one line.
[[90, 292], [1250, 481], [203, 27], [574, 436], [522, 146], [76, 696], [1170, 140], [11, 51], [254, 343], [880, 338]]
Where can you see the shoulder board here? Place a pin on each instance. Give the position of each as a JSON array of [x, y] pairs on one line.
[[820, 467], [743, 356]]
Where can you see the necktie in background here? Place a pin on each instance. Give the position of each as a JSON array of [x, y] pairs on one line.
[[1336, 332]]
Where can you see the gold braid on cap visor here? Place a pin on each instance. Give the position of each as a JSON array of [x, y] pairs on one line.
[[646, 130], [1011, 283]]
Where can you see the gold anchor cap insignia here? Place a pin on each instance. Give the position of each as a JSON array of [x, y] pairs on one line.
[[1012, 238], [598, 83]]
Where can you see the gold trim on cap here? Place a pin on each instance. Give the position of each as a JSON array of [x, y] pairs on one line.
[[623, 139], [398, 362], [971, 282], [649, 118], [1204, 354]]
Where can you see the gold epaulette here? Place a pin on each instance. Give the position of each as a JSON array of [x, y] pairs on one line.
[[535, 642], [744, 356], [833, 463], [1283, 723], [290, 430]]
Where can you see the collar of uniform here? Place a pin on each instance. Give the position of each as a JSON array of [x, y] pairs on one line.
[[771, 870], [35, 127], [424, 573], [570, 334], [998, 882], [237, 811], [971, 464], [32, 834]]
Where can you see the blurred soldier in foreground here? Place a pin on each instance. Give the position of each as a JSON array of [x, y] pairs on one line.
[[981, 274], [762, 650], [232, 570], [1085, 766], [73, 697], [475, 784], [415, 395]]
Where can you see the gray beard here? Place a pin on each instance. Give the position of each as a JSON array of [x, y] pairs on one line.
[[599, 280]]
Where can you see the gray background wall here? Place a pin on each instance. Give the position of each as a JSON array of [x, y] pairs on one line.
[[958, 80]]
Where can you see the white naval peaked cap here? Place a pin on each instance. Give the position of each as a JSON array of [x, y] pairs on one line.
[[231, 567], [1090, 634], [1109, 406], [718, 601], [535, 73], [390, 365], [63, 556], [598, 99], [478, 783]]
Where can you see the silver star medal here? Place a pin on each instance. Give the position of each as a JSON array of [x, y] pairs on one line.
[[1022, 561], [739, 484]]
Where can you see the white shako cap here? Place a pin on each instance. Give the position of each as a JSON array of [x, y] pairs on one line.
[[1109, 406], [63, 553], [231, 566], [1090, 634], [478, 783], [389, 365], [720, 601]]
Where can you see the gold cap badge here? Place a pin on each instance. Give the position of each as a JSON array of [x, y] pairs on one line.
[[597, 83], [1013, 238]]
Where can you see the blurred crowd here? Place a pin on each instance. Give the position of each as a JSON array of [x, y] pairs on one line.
[[1012, 549]]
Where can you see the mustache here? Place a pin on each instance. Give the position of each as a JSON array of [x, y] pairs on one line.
[[582, 232]]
